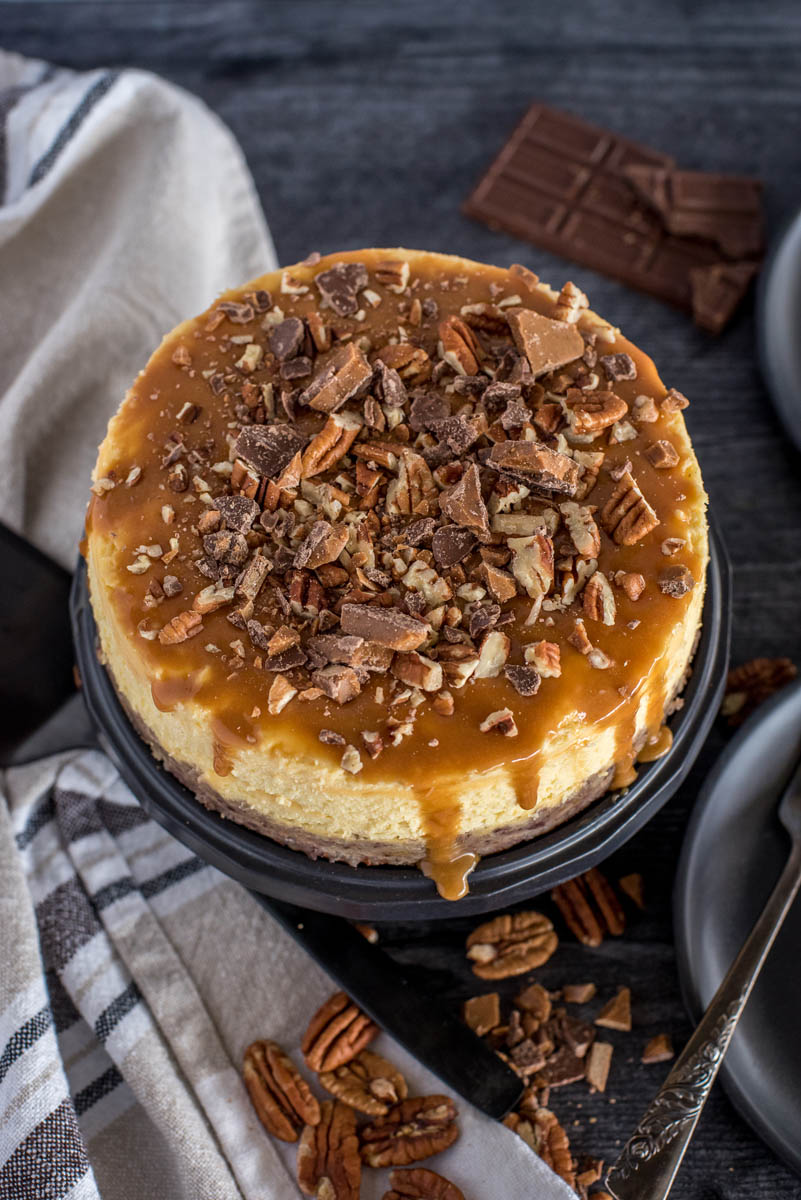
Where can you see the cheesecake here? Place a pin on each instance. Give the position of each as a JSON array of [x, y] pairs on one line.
[[398, 558]]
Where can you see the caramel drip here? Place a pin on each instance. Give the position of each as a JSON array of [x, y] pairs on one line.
[[444, 863], [526, 780], [657, 746], [173, 690], [230, 733], [222, 763]]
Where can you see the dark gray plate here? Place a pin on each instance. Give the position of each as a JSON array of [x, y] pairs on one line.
[[779, 326], [733, 853]]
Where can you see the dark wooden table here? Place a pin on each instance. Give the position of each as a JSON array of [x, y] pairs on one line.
[[367, 122]]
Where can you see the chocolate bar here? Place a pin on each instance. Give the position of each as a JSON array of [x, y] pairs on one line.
[[564, 185], [726, 209]]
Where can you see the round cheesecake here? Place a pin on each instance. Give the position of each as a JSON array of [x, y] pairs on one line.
[[397, 557]]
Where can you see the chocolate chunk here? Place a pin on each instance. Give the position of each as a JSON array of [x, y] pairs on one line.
[[250, 580], [296, 368], [171, 586], [225, 546], [387, 626], [717, 292], [238, 512], [268, 449], [286, 660], [259, 636], [527, 1057], [470, 385], [419, 533], [676, 581], [464, 505], [427, 409], [339, 285], [339, 683], [562, 1068], [451, 544], [286, 339], [515, 415], [619, 366], [331, 737], [457, 432], [346, 375], [351, 651], [240, 314], [393, 388], [547, 344], [525, 680], [323, 544], [535, 463], [483, 618]]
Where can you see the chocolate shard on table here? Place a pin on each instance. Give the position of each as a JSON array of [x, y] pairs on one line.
[[625, 210]]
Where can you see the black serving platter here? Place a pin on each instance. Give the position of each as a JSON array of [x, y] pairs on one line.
[[778, 326], [403, 893], [733, 854]]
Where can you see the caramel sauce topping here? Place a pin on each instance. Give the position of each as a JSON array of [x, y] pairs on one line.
[[172, 457]]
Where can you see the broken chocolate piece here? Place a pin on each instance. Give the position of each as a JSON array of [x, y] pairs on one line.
[[547, 344], [346, 375], [676, 581], [268, 449], [451, 544], [726, 209], [286, 339], [387, 626], [427, 409], [525, 680], [535, 463], [618, 366], [323, 544], [464, 505], [339, 287], [238, 512], [717, 292], [339, 683]]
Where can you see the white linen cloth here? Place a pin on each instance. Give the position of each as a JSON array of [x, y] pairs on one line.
[[132, 975]]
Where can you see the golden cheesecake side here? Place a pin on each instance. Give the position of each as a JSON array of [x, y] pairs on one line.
[[428, 760]]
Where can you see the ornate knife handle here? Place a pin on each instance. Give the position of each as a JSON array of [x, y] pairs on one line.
[[651, 1157]]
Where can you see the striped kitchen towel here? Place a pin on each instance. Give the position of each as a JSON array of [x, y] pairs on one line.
[[133, 975]]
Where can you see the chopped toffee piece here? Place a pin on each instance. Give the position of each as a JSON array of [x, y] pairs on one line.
[[617, 1013], [547, 344]]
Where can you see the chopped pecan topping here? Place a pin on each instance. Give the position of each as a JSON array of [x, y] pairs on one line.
[[627, 516], [511, 944], [280, 693], [569, 304], [393, 273], [337, 1032], [413, 491], [582, 528], [459, 345], [533, 563], [330, 445], [674, 401], [323, 544], [417, 671], [546, 657], [182, 627], [367, 1083], [268, 449], [329, 1164], [502, 721], [542, 1131], [590, 412], [547, 344], [280, 1094], [411, 363], [598, 600], [412, 1129]]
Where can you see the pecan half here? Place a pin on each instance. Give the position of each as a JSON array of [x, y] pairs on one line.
[[589, 907], [182, 627], [330, 445], [329, 1165], [511, 944], [590, 412], [459, 345], [627, 516], [540, 1129], [419, 1183], [411, 1130], [598, 600], [367, 1083], [280, 1095], [336, 1034]]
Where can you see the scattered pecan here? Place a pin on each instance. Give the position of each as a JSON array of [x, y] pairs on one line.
[[280, 1094], [598, 599], [330, 445], [367, 1083], [589, 907], [547, 1138], [591, 412], [412, 363], [336, 1034], [329, 1164], [182, 627], [511, 944], [418, 1183], [751, 684], [459, 345], [410, 1131], [627, 516]]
